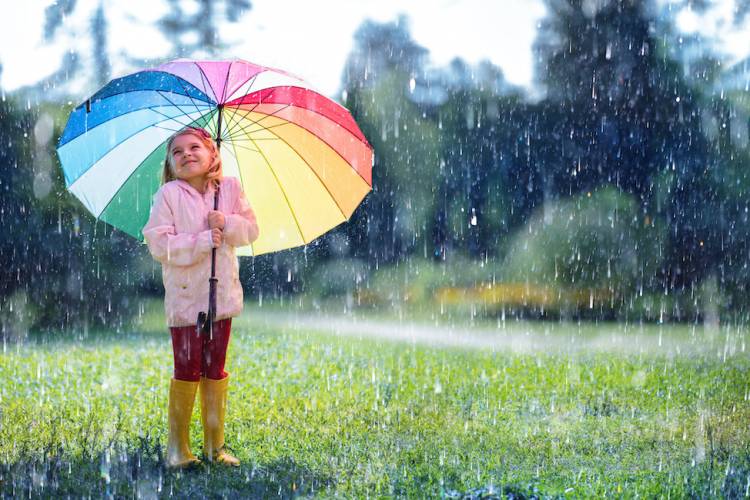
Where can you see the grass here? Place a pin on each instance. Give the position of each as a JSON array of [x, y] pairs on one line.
[[312, 414]]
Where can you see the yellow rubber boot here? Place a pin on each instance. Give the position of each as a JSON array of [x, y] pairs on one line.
[[213, 408], [181, 400]]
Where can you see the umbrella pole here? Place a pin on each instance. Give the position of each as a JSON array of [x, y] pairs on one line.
[[206, 321], [213, 280]]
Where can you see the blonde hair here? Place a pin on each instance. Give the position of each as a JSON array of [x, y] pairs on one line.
[[215, 172]]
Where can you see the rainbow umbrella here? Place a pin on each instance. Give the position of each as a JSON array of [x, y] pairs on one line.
[[303, 162]]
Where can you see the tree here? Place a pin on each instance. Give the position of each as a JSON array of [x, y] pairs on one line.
[[190, 34], [394, 220], [380, 49], [61, 268], [98, 29], [626, 116], [482, 124], [100, 69], [198, 33], [626, 110]]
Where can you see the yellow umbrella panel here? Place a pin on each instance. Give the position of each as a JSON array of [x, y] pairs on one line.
[[300, 183]]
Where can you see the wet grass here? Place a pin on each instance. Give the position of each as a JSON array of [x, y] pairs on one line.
[[312, 414]]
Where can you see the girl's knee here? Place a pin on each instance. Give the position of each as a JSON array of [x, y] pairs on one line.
[[187, 376], [215, 372]]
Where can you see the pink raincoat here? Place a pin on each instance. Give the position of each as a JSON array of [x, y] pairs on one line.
[[178, 236]]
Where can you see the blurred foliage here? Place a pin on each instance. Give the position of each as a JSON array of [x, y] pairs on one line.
[[61, 268], [621, 118], [198, 32], [597, 239], [406, 162], [628, 174]]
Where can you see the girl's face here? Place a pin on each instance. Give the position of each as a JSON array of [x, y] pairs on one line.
[[191, 159]]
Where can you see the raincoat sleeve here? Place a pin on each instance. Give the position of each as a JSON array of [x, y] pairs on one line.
[[168, 247], [240, 227]]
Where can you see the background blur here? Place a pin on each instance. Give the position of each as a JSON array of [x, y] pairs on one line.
[[612, 185]]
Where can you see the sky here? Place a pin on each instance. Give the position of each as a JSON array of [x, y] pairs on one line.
[[310, 39]]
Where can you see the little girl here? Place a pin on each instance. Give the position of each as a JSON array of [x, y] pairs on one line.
[[180, 233]]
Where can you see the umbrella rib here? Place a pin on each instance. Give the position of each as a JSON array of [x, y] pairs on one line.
[[234, 153], [243, 129], [186, 94], [235, 109], [173, 130], [205, 80], [246, 147], [152, 108], [151, 125], [226, 83], [311, 110], [251, 80], [181, 80], [268, 128], [233, 125], [253, 109], [179, 107], [266, 115], [283, 192], [263, 127], [247, 134], [233, 128], [262, 139], [364, 143], [311, 168], [114, 196], [172, 117]]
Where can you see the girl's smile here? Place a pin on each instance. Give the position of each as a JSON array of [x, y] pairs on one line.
[[191, 160]]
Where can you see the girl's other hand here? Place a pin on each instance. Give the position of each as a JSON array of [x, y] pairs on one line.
[[216, 219], [217, 236]]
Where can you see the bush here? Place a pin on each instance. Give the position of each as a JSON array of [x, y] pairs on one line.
[[597, 240], [339, 277], [64, 268]]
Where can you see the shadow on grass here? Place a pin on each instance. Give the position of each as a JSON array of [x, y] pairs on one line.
[[128, 472], [506, 492], [121, 473], [136, 476], [729, 481]]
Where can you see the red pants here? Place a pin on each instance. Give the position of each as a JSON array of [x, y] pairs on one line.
[[196, 355]]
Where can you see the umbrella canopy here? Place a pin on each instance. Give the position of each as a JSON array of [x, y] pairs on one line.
[[303, 162]]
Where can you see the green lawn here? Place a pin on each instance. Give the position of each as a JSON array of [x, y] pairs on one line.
[[313, 414]]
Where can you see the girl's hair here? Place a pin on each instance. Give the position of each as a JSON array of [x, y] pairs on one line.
[[214, 173]]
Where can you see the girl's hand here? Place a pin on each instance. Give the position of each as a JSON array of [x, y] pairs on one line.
[[216, 219], [217, 236]]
